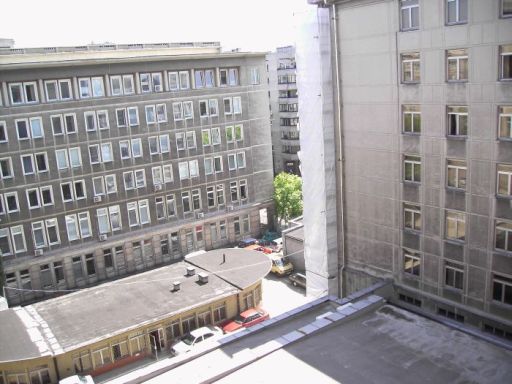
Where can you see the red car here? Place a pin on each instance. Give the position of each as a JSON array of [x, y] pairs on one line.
[[246, 319]]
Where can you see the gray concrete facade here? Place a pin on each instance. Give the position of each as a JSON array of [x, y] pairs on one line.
[[281, 67], [149, 224], [424, 205]]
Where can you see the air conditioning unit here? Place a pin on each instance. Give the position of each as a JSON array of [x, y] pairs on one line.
[[230, 207], [97, 199], [158, 187], [200, 215], [38, 252], [103, 237]]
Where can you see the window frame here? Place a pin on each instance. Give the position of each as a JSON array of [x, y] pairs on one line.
[[409, 9], [458, 218], [458, 167], [454, 55], [458, 20]]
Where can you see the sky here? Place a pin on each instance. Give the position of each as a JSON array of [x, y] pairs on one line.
[[257, 25]]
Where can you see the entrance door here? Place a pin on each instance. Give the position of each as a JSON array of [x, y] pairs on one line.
[[156, 338]]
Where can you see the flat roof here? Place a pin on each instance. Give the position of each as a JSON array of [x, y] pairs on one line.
[[17, 58], [19, 337], [239, 266], [81, 318], [296, 233], [386, 345]]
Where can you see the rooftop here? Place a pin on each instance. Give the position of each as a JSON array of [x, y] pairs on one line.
[[365, 340], [89, 315], [14, 58]]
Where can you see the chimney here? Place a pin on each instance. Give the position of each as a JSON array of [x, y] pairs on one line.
[[176, 286], [191, 271]]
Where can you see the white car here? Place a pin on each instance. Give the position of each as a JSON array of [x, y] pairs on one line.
[[77, 379], [199, 336]]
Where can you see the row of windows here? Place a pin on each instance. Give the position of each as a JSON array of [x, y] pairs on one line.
[[40, 375], [71, 158], [456, 12], [457, 65], [457, 174], [454, 276], [455, 226], [32, 128], [124, 84], [75, 190], [45, 233]]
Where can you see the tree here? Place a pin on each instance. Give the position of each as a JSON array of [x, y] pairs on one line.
[[288, 196]]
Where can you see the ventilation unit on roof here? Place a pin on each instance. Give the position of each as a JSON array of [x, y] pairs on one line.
[[191, 271], [202, 278], [176, 285]]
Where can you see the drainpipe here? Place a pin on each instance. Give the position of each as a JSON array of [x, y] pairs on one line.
[[339, 144]]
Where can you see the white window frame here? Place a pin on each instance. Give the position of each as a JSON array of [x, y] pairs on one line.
[[18, 231], [36, 192], [504, 173], [453, 56], [129, 110]]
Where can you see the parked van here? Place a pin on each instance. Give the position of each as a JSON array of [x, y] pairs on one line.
[[278, 244], [281, 265]]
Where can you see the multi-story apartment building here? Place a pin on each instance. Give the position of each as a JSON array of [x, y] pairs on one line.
[[419, 141], [284, 110], [115, 159]]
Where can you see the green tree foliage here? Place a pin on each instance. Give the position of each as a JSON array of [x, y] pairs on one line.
[[288, 196]]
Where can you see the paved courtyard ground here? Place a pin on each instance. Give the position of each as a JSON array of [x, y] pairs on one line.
[[280, 296]]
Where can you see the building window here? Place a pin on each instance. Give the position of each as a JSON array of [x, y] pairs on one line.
[[18, 239], [450, 315], [243, 189], [456, 11], [457, 170], [3, 132], [210, 196], [504, 236], [410, 67], [23, 93], [505, 123], [411, 118], [506, 62], [504, 178], [171, 205], [409, 15], [233, 189], [255, 76], [77, 267], [457, 65], [502, 289], [196, 199], [185, 199], [506, 8], [412, 217], [458, 121], [412, 169], [58, 90], [11, 202], [455, 226], [236, 226], [454, 275], [220, 194], [204, 78], [91, 87], [52, 231], [179, 80], [38, 234], [101, 357], [6, 168], [412, 263]]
